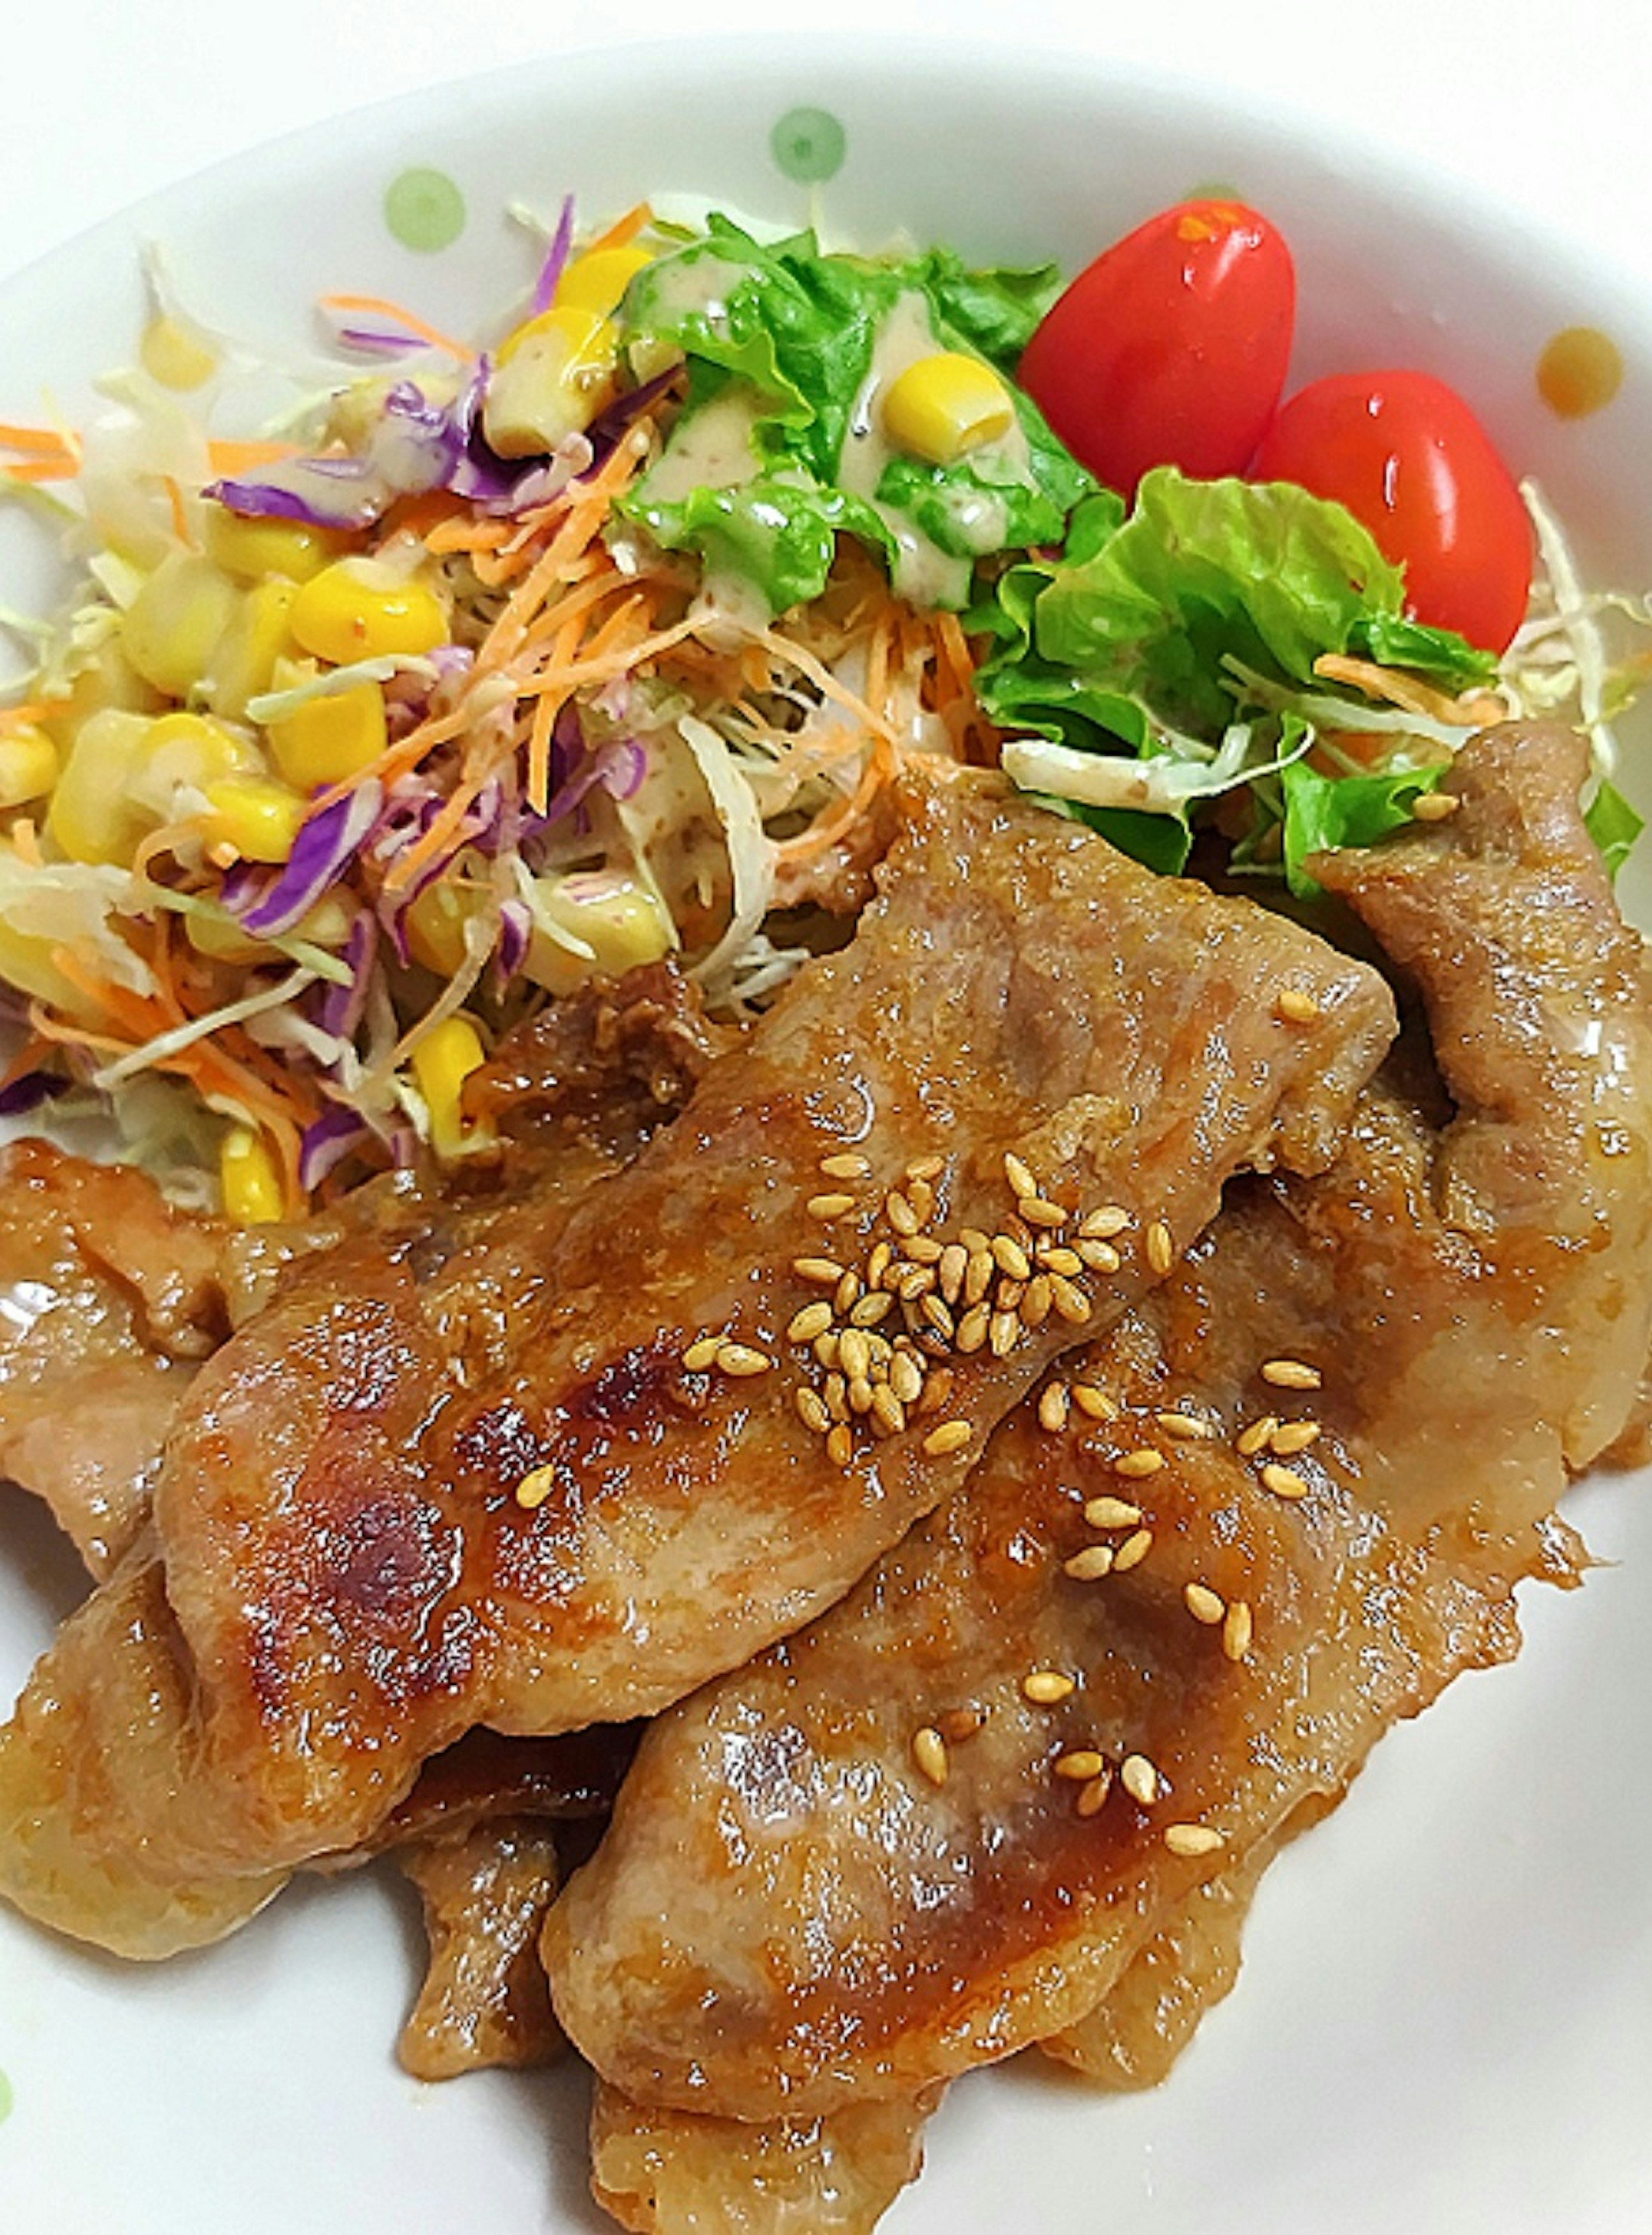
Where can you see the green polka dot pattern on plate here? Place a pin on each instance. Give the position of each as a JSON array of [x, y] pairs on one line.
[[808, 145], [6, 2099], [424, 209]]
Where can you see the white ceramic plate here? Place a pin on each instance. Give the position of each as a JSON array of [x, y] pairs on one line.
[[1444, 2024]]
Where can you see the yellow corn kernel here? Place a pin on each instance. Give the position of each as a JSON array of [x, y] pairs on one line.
[[253, 548], [442, 1061], [596, 281], [169, 630], [184, 751], [946, 405], [609, 924], [171, 355], [27, 764], [329, 737], [93, 816], [249, 1179], [359, 609], [553, 376], [253, 817], [244, 657], [434, 923]]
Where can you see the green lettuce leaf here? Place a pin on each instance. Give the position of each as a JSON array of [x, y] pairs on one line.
[[1447, 660], [992, 312], [1613, 824], [1322, 812], [1157, 842]]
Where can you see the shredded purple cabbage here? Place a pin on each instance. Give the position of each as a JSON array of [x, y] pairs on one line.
[[515, 936], [326, 846], [555, 264], [30, 1091], [342, 1005], [327, 1142]]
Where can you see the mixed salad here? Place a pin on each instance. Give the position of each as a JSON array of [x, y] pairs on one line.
[[493, 666]]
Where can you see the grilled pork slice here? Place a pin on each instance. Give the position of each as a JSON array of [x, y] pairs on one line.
[[109, 1299], [484, 2000], [1278, 1506], [670, 2173], [567, 1473]]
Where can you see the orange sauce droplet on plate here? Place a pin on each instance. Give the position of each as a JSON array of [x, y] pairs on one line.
[[1580, 370]]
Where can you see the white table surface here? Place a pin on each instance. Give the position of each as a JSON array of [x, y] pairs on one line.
[[1546, 104]]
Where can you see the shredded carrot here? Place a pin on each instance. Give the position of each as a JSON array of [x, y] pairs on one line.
[[28, 1057], [380, 306], [38, 442], [462, 531], [623, 229], [43, 470], [423, 514], [231, 458], [179, 518], [37, 709]]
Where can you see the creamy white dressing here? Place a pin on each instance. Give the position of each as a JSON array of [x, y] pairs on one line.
[[709, 448], [683, 287]]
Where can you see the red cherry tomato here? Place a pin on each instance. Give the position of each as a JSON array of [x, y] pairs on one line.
[[1407, 457], [1170, 348]]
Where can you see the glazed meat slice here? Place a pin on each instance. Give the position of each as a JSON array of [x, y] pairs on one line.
[[563, 1475], [671, 2173], [109, 1299], [485, 2000], [1186, 1592]]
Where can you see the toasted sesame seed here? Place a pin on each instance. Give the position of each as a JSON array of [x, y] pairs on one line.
[[1204, 1604], [973, 1240], [1136, 1465], [929, 1752], [916, 1282], [1070, 1303], [819, 1272], [978, 1274], [740, 1360], [906, 1377], [1094, 1403], [1038, 1210], [1056, 1257], [950, 1436], [1236, 1630], [535, 1487], [1045, 1687], [1021, 1179], [1099, 1256], [888, 1414], [854, 1354], [870, 1309], [1037, 1303], [860, 1394], [813, 1320], [1161, 1246], [921, 1196], [1192, 1839], [830, 1206], [937, 1389], [1434, 807], [840, 1446], [1018, 1229], [837, 1396], [1053, 1403], [1003, 1332], [898, 1212], [1185, 1427], [845, 1166], [847, 1294], [949, 1274], [1139, 1779], [1009, 1294], [1081, 1765], [825, 1349], [1294, 1436], [1284, 1481], [971, 1330], [1102, 1225], [923, 1249], [1134, 1550], [926, 1167], [1296, 1006], [959, 1724], [811, 1410], [702, 1353], [1093, 1799], [1255, 1439], [1112, 1513], [1090, 1565], [1009, 1257], [878, 1264], [1291, 1373], [938, 1316]]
